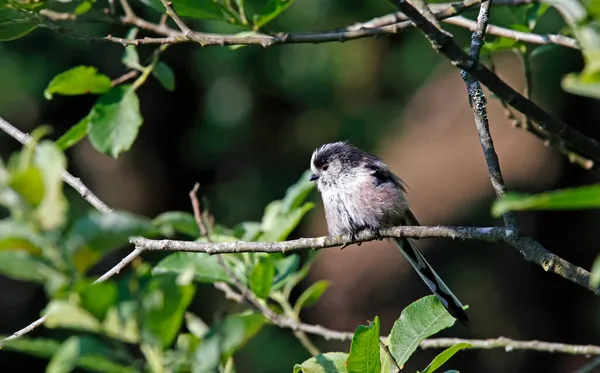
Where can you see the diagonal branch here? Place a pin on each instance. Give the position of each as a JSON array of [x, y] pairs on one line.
[[73, 181], [478, 103]]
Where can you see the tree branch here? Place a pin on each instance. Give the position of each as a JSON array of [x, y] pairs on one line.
[[557, 130], [478, 103]]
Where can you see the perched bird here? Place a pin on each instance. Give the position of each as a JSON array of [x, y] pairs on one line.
[[359, 192]]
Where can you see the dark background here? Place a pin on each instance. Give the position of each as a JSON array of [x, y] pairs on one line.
[[244, 123]]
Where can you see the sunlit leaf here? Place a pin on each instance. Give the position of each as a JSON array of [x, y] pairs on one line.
[[97, 298], [63, 314], [584, 197], [421, 319], [52, 211], [79, 80], [330, 362], [206, 268], [17, 236], [364, 350], [444, 356], [115, 121], [311, 295], [297, 193]]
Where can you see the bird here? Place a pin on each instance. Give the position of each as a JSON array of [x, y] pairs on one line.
[[359, 192]]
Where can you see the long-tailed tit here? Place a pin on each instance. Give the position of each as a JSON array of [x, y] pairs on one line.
[[360, 192]]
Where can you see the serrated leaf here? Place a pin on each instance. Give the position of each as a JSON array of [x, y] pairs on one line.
[[163, 73], [421, 319], [96, 234], [311, 295], [74, 134], [224, 338], [199, 9], [164, 304], [584, 197], [63, 314], [271, 10], [52, 211], [444, 356], [115, 121], [364, 354], [177, 221], [261, 277], [79, 80], [15, 24], [330, 362]]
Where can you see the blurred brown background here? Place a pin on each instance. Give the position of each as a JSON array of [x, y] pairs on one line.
[[244, 124]]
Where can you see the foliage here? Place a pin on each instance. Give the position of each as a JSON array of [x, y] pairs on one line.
[[142, 321]]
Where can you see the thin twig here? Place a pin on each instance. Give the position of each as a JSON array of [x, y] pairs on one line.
[[478, 103], [125, 77], [525, 37], [513, 345], [187, 32], [73, 181]]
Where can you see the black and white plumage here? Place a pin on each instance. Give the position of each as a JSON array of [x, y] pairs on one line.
[[359, 192]]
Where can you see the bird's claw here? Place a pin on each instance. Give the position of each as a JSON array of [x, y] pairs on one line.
[[352, 240], [375, 232]]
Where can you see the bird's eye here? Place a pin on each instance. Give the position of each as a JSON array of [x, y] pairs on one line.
[[325, 167]]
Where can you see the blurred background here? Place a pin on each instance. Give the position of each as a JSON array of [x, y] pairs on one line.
[[244, 123]]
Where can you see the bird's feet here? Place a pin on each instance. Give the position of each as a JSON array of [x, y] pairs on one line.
[[375, 232], [353, 234]]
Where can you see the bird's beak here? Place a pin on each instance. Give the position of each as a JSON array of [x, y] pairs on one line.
[[313, 177]]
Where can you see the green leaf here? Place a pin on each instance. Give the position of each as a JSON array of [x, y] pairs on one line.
[[584, 197], [21, 265], [595, 277], [98, 298], [164, 303], [16, 236], [52, 211], [199, 9], [224, 338], [277, 225], [196, 325], [247, 231], [65, 357], [330, 362], [130, 55], [445, 356], [297, 193], [177, 221], [261, 277], [583, 84], [364, 354], [74, 134], [115, 121], [311, 295], [421, 319], [285, 268], [29, 184], [206, 268], [271, 10], [63, 314], [79, 80], [91, 354], [15, 24], [165, 75], [96, 234]]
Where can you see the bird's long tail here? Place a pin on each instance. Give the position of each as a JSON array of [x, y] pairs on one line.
[[433, 281]]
